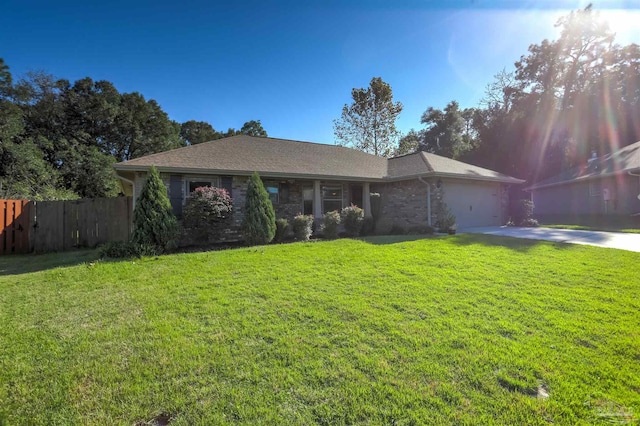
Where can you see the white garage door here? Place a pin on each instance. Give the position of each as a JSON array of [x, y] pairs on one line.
[[473, 204]]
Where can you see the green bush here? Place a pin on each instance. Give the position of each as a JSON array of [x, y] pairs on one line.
[[302, 227], [282, 227], [118, 250], [330, 223], [522, 213], [368, 226], [421, 230], [397, 230], [353, 217], [154, 223], [125, 250], [445, 219], [259, 223], [530, 223]]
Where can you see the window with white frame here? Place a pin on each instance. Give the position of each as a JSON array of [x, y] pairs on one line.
[[192, 183], [331, 198], [595, 188]]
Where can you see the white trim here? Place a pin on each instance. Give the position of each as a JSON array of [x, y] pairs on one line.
[[214, 180], [341, 199]]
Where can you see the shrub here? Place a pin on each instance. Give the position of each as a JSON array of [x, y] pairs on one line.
[[522, 213], [118, 250], [368, 226], [302, 227], [530, 223], [445, 220], [259, 223], [330, 223], [397, 230], [353, 216], [207, 211], [421, 230], [154, 223], [206, 206], [282, 227]]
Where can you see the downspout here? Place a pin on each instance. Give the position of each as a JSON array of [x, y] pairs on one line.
[[428, 199]]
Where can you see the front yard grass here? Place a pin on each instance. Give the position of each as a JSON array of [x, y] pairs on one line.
[[469, 329]]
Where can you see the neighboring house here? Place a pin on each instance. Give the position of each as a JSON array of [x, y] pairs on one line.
[[604, 186], [312, 178]]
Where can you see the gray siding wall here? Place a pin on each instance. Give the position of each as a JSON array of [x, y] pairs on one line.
[[577, 198]]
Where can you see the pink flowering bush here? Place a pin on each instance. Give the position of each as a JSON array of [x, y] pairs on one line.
[[353, 218], [207, 210]]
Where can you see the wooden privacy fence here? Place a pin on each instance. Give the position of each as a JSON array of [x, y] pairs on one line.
[[65, 225], [14, 226]]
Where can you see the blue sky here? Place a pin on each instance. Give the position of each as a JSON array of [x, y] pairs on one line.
[[290, 64]]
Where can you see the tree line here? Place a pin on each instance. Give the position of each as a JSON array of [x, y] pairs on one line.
[[59, 140], [562, 100]]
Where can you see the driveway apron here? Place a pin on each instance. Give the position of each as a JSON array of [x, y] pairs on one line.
[[617, 240]]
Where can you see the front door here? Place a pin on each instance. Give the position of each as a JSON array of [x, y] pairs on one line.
[[355, 195]]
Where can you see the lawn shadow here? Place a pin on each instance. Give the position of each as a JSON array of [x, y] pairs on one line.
[[522, 245], [17, 264], [394, 239], [517, 244]]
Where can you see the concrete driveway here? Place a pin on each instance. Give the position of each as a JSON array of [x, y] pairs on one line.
[[617, 240]]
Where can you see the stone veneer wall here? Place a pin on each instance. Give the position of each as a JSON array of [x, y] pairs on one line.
[[404, 204]]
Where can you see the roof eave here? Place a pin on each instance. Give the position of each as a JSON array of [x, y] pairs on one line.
[[279, 175], [507, 179]]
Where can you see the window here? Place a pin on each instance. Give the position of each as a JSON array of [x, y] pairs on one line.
[[331, 198], [307, 200], [192, 184], [273, 190], [595, 189]]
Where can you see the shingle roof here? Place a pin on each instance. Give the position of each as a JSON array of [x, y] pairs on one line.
[[421, 163], [244, 154], [624, 160]]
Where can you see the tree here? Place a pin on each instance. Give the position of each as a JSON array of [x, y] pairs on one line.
[[194, 132], [253, 128], [445, 131], [259, 222], [369, 123], [141, 128], [408, 144], [154, 224]]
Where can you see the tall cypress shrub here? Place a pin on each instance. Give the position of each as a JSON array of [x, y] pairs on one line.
[[259, 222], [154, 224]]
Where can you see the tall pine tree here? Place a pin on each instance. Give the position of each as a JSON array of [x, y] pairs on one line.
[[259, 223], [154, 223]]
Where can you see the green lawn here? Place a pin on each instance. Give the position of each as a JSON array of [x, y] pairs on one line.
[[466, 329]]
